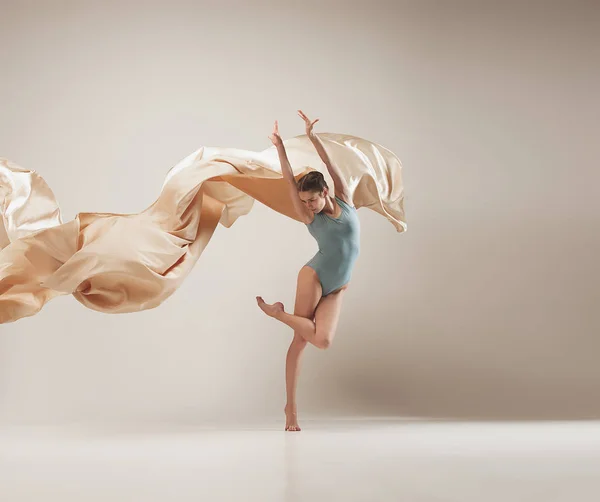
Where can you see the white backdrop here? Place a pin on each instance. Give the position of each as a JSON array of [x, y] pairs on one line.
[[486, 307]]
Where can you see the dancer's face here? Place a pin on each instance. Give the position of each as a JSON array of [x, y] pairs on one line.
[[315, 201]]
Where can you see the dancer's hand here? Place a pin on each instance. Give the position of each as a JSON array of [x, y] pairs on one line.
[[275, 137], [309, 124]]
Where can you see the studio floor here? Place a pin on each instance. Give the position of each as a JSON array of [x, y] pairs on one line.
[[345, 460]]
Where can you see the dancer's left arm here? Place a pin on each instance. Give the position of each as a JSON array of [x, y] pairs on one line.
[[340, 186]]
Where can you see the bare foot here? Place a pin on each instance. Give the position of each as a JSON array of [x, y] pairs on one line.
[[291, 420], [270, 310]]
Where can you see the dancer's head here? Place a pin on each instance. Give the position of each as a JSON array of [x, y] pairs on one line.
[[313, 191]]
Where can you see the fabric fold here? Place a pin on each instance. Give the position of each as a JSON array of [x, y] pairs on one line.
[[118, 263]]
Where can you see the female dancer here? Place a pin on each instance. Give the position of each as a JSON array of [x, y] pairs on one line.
[[322, 282]]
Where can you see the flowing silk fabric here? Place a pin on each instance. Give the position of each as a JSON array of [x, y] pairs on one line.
[[118, 263]]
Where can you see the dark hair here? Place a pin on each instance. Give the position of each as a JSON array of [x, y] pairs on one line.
[[312, 182]]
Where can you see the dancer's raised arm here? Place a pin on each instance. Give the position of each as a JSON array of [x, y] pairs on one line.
[[304, 214], [339, 183]]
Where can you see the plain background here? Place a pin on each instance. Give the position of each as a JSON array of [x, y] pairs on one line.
[[486, 307]]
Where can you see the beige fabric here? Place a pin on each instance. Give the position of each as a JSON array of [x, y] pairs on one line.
[[119, 263]]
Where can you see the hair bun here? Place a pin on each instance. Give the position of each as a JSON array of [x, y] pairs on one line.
[[312, 182]]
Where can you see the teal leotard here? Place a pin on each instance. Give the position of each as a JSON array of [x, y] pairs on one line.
[[339, 246]]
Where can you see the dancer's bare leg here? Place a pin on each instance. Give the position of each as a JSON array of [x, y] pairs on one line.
[[321, 330], [308, 294]]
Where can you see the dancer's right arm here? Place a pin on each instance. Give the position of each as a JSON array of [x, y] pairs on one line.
[[303, 213]]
